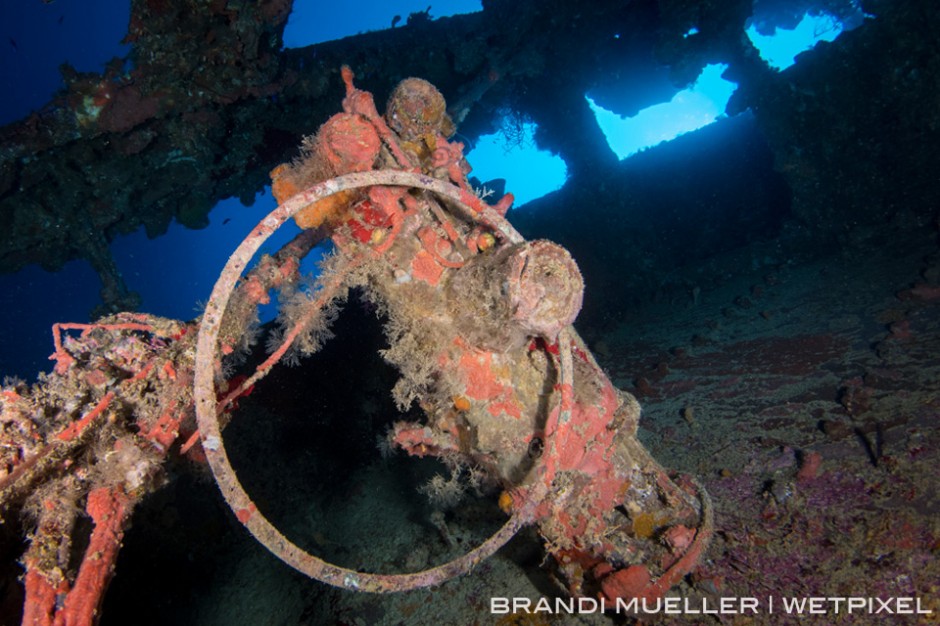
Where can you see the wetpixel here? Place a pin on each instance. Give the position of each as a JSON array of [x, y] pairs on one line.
[[720, 606]]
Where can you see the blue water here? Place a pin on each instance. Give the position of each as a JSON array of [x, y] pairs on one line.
[[314, 22], [695, 107]]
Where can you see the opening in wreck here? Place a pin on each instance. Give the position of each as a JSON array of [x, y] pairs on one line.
[[689, 109], [704, 101]]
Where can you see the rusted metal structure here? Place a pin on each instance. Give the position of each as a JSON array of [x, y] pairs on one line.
[[479, 322]]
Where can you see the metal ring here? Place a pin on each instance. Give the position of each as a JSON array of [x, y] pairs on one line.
[[207, 415]]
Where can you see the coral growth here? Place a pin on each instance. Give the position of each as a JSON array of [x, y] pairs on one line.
[[345, 143]]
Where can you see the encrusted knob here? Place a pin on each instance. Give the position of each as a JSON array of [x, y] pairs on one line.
[[502, 298]]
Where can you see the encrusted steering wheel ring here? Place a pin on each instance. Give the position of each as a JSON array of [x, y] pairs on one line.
[[207, 409]]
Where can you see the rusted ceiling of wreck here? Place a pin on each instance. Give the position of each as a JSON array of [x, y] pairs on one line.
[[213, 103]]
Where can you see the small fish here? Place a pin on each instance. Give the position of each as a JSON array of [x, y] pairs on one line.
[[395, 20], [16, 48], [226, 221]]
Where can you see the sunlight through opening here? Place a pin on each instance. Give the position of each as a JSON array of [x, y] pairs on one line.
[[529, 173], [780, 49], [690, 109]]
